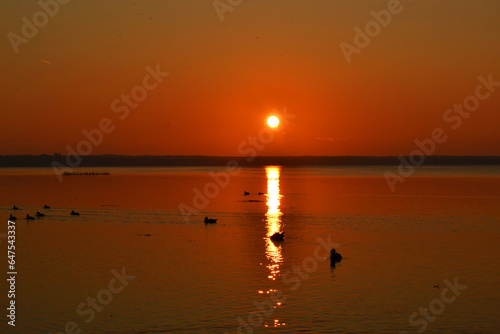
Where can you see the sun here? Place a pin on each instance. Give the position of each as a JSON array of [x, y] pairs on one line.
[[273, 121]]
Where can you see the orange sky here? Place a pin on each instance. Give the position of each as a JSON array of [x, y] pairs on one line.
[[225, 76]]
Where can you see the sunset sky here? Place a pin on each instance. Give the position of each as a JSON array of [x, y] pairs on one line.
[[226, 76]]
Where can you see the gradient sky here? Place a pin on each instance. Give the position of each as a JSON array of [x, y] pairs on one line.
[[227, 76]]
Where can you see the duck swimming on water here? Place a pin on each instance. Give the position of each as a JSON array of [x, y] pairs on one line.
[[12, 217], [46, 206], [15, 207], [28, 217], [334, 257], [73, 213], [38, 214], [277, 236], [210, 221]]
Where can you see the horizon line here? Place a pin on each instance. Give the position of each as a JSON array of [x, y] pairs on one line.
[[243, 156]]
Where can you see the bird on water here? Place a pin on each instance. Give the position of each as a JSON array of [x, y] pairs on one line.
[[334, 257], [210, 221], [277, 236]]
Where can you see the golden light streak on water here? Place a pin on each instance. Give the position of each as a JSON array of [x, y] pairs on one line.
[[273, 220]]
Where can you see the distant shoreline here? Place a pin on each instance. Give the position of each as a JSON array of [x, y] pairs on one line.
[[193, 160]]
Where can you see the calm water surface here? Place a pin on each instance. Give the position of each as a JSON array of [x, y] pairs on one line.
[[440, 224]]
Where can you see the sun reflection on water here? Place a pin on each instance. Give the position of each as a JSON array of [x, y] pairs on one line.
[[273, 220], [273, 225]]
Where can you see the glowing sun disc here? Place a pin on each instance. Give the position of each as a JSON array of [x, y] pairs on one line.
[[273, 121]]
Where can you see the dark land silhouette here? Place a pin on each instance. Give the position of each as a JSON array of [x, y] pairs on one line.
[[194, 160]]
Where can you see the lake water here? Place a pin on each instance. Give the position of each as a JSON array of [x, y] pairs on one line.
[[441, 225]]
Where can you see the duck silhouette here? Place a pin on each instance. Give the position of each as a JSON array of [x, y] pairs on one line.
[[12, 217], [73, 213], [28, 217], [246, 193], [277, 236], [15, 207], [334, 257], [46, 206], [210, 221], [38, 214]]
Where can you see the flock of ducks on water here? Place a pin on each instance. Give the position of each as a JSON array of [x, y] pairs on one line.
[[276, 237], [38, 214], [246, 193], [280, 236]]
